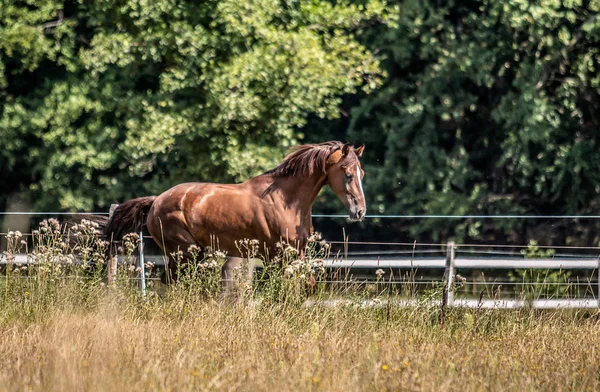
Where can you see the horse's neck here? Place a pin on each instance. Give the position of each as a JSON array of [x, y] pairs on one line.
[[299, 192]]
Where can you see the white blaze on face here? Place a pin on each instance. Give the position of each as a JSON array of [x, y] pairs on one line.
[[362, 192]]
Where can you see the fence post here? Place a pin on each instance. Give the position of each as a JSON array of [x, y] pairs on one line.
[[449, 274], [598, 274], [113, 261], [142, 281], [111, 277]]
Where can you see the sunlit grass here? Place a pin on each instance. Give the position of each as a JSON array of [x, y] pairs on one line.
[[65, 329], [122, 345]]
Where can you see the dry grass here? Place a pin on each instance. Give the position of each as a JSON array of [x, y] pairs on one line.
[[62, 329], [118, 345]]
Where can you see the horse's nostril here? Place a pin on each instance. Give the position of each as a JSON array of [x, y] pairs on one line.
[[361, 213]]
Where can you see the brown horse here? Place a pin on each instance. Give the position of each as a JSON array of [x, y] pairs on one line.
[[271, 207]]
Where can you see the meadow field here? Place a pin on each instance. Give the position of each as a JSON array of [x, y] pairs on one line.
[[63, 328], [114, 342]]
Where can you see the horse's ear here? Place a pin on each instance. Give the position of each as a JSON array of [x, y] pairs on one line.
[[359, 150], [345, 149]]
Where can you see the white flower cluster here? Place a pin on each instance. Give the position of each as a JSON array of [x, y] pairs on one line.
[[248, 248], [315, 237], [210, 258], [14, 235], [209, 264], [130, 242], [286, 250], [247, 242], [194, 251], [210, 253], [177, 255], [304, 267], [14, 241], [86, 228], [50, 226]]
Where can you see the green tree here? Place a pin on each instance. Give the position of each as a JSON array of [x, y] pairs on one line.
[[102, 101], [490, 108]]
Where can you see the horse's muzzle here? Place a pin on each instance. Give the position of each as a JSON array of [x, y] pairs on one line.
[[357, 215]]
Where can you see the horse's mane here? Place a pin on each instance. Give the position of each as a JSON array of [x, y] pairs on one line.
[[306, 159]]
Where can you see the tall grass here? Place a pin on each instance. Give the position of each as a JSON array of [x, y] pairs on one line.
[[62, 328]]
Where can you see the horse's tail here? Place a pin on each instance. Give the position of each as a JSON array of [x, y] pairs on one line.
[[128, 217]]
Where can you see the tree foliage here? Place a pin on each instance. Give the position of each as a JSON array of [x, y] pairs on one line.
[[104, 100], [477, 107], [490, 108]]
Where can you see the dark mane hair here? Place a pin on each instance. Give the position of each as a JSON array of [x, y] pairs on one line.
[[306, 159]]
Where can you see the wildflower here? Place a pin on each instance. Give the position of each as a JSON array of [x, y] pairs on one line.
[[130, 242], [220, 255], [385, 367], [54, 225], [291, 250], [194, 249], [44, 227], [325, 244], [379, 273], [317, 266], [315, 237]]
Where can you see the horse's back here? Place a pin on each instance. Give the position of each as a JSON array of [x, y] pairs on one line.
[[200, 210]]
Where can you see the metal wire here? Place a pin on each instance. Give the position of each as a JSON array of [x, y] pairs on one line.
[[392, 216], [382, 216], [51, 213], [520, 255], [395, 252], [474, 283], [459, 246], [527, 246], [415, 244]]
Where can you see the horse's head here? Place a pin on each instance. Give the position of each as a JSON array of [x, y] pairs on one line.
[[344, 176]]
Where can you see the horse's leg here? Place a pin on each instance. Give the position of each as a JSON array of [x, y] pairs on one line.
[[233, 264], [176, 239]]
